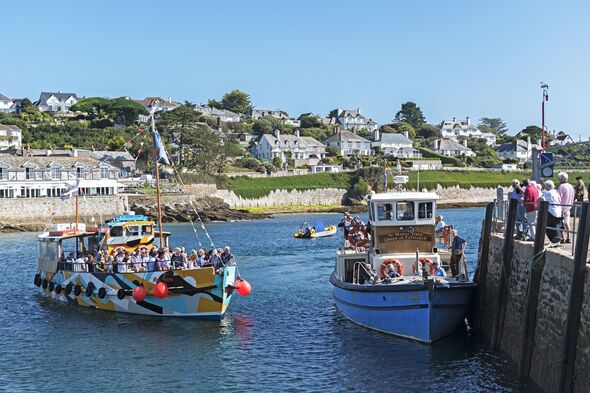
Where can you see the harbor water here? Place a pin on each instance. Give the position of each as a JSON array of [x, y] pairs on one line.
[[286, 336]]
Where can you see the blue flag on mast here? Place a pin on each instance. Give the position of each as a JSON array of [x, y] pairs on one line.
[[160, 150]]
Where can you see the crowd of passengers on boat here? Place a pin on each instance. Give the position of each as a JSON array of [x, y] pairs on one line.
[[145, 259]]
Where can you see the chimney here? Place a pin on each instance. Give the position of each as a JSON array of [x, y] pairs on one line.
[[377, 135], [465, 142], [468, 121], [454, 118], [406, 134], [218, 122], [297, 133], [277, 134], [170, 100], [358, 110]]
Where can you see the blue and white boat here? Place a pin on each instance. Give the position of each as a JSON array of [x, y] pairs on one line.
[[416, 305]]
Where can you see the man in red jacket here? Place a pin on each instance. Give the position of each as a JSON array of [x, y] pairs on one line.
[[531, 194]]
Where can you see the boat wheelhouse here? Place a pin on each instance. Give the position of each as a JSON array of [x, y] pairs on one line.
[[412, 302]]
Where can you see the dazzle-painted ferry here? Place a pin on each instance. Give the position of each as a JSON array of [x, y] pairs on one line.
[[388, 276], [123, 265]]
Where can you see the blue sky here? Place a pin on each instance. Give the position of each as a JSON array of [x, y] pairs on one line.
[[453, 58]]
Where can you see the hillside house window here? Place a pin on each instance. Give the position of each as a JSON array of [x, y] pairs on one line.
[[104, 173], [55, 173], [28, 173], [80, 172], [3, 173]]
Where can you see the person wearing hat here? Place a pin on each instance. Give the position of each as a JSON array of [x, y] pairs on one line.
[[580, 189], [438, 270], [345, 223]]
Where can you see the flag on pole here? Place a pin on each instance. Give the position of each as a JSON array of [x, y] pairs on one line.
[[160, 150], [384, 175], [72, 192]]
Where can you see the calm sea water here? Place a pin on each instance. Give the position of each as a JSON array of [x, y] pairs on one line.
[[286, 336]]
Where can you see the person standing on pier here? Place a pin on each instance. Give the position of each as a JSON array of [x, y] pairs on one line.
[[531, 194], [580, 189], [554, 217], [566, 193], [458, 245], [518, 194]]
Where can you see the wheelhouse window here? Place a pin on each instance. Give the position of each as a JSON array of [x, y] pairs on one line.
[[425, 210], [147, 229], [116, 231], [132, 230], [405, 211], [385, 211]]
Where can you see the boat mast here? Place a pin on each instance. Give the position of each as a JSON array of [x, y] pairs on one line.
[[77, 207], [156, 156]]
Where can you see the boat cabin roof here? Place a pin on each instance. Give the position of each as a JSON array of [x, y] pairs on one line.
[[404, 196]]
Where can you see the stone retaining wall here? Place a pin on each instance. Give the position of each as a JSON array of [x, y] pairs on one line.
[[552, 312]]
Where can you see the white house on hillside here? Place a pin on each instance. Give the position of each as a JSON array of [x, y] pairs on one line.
[[56, 102], [11, 137], [352, 119], [453, 129], [156, 104], [519, 149], [449, 147], [303, 149], [561, 139], [395, 145], [222, 114], [255, 113], [350, 143], [6, 104]]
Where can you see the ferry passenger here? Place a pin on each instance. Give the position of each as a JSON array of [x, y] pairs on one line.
[[80, 264], [162, 262], [176, 259], [518, 194], [357, 222], [531, 194], [70, 262], [123, 262], [440, 224], [200, 258], [345, 223], [580, 189], [554, 217], [91, 263], [457, 252], [567, 194], [391, 272], [151, 263], [438, 270], [215, 260], [226, 255]]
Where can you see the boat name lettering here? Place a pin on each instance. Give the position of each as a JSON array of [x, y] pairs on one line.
[[419, 236]]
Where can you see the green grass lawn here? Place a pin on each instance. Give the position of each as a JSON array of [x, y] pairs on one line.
[[258, 187]]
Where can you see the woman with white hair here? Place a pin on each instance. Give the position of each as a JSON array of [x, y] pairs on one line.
[[554, 217], [566, 193]]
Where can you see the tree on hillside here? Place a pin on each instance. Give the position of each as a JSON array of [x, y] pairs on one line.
[[428, 131], [533, 131], [410, 113], [177, 124], [236, 101], [494, 125], [96, 106], [213, 103], [126, 111], [262, 126], [310, 121]]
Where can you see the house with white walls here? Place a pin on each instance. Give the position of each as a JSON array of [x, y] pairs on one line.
[[519, 149], [394, 145], [349, 143], [455, 129], [7, 105], [11, 137], [56, 102], [451, 148], [304, 150], [352, 119], [223, 115]]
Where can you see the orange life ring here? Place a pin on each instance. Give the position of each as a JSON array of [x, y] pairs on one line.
[[364, 236], [424, 261], [397, 263]]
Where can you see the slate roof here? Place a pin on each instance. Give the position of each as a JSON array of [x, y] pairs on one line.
[[395, 138], [346, 136], [4, 98], [449, 144], [108, 156], [44, 162], [512, 146], [60, 96], [291, 140]]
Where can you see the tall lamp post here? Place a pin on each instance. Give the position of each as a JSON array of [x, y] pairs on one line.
[[544, 88]]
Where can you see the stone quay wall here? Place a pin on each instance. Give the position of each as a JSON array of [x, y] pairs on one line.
[[552, 310], [35, 210]]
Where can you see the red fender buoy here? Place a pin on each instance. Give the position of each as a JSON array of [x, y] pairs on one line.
[[161, 290], [243, 287], [139, 293]]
